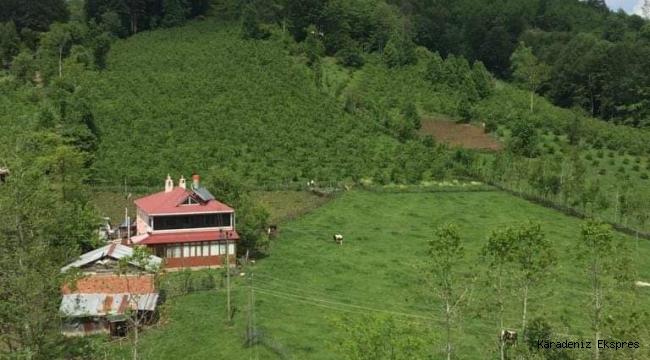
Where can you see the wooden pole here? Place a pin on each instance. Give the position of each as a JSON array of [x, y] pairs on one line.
[[228, 309]]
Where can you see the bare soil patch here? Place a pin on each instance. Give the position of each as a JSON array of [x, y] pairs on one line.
[[463, 135]]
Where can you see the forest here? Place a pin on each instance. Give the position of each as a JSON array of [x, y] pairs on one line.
[[101, 95]]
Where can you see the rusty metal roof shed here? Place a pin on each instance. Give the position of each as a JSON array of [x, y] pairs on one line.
[[83, 305]]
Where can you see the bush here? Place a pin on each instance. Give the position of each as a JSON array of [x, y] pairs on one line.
[[611, 162], [602, 172], [351, 55], [644, 176], [600, 154], [637, 160], [551, 149], [636, 167], [610, 154], [595, 163], [626, 161], [490, 126], [621, 169], [589, 156]]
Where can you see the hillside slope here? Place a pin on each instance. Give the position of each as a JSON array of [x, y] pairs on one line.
[[187, 99]]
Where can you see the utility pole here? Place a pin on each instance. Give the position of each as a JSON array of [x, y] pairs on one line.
[[228, 309]]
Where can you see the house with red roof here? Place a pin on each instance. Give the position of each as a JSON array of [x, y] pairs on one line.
[[188, 228]]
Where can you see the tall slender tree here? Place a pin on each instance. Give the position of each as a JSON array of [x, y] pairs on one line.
[[445, 255], [498, 253], [535, 258], [599, 261], [528, 71]]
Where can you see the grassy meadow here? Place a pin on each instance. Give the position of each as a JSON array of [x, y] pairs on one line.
[[307, 280]]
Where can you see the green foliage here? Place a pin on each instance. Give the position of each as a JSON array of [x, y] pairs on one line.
[[46, 222], [251, 24], [252, 218], [399, 51], [351, 55], [434, 71], [524, 139], [175, 12], [24, 66], [35, 15], [313, 46], [248, 124], [482, 80], [376, 337], [528, 71], [9, 42]]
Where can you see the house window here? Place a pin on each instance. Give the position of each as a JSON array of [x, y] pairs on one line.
[[231, 248], [173, 251], [206, 248], [186, 250], [195, 249], [214, 248]]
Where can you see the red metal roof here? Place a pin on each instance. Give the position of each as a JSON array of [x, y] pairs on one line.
[[188, 236], [169, 203]]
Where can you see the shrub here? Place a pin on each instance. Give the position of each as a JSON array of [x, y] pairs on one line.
[[637, 160], [644, 176], [621, 169], [626, 161], [602, 172], [351, 55], [600, 154], [636, 167], [490, 126], [611, 162], [551, 149], [589, 156], [610, 154], [595, 163]]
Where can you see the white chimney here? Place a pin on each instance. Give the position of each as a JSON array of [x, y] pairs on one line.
[[169, 184], [181, 182]]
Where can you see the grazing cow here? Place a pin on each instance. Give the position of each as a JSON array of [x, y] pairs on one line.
[[508, 336], [338, 238]]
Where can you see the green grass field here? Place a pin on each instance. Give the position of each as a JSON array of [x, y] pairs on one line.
[[308, 280]]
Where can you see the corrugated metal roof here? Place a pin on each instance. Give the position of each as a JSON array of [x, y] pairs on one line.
[[204, 194], [115, 251], [78, 305]]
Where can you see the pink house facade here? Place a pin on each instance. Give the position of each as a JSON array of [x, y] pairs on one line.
[[188, 228]]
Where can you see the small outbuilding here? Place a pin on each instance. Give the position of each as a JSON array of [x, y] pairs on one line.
[[103, 301]]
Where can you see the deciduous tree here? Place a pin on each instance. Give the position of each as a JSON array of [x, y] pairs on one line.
[[446, 252], [598, 254], [528, 71]]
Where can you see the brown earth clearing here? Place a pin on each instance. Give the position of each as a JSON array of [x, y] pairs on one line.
[[455, 134]]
